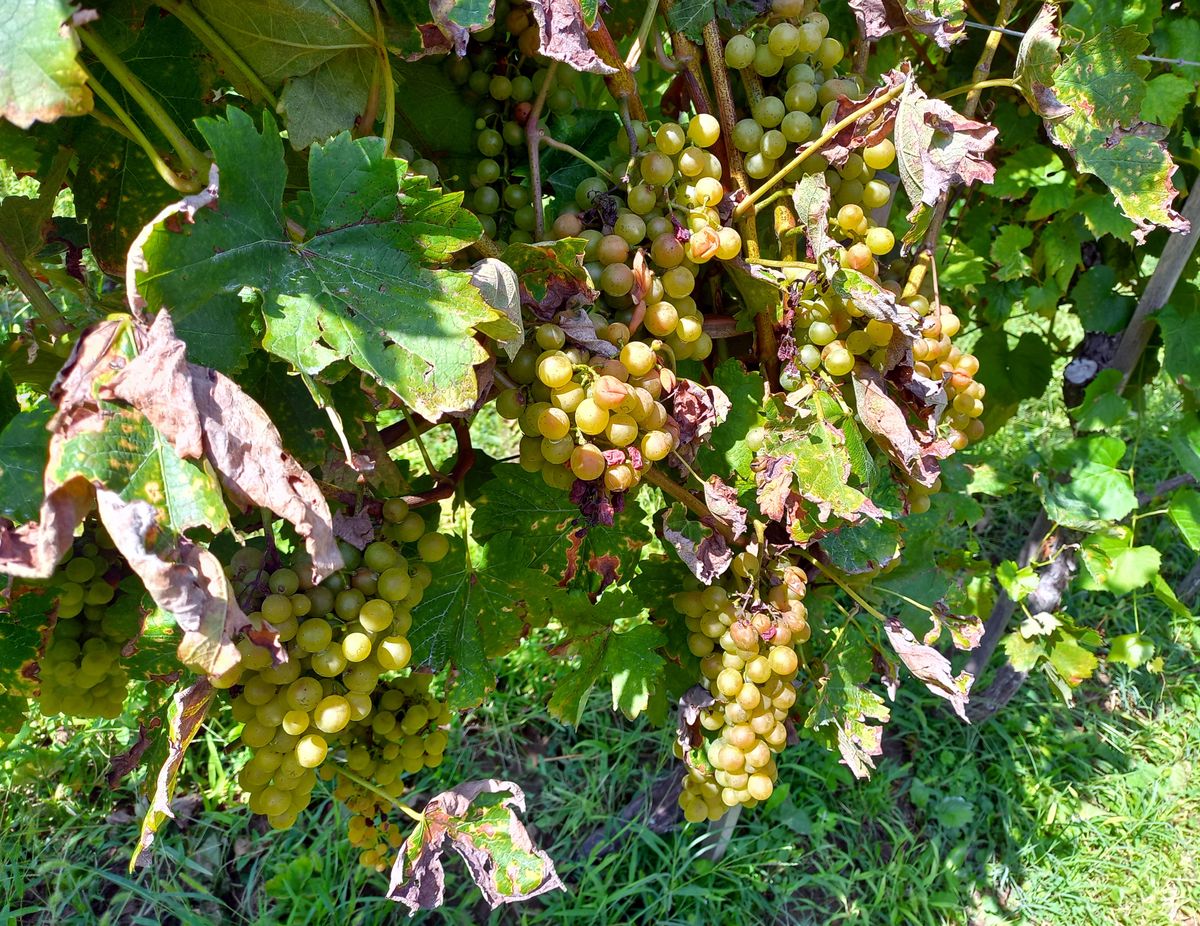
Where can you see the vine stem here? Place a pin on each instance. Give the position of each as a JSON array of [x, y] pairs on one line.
[[47, 312], [862, 602], [374, 789], [688, 55], [200, 27], [977, 86], [416, 433], [533, 138], [575, 153], [638, 48], [134, 131], [389, 84], [814, 147], [726, 113], [672, 488], [621, 85], [195, 162]]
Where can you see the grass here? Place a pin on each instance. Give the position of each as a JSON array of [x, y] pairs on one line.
[[1048, 814]]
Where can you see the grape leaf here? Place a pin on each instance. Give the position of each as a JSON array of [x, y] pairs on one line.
[[185, 715], [1098, 304], [40, 78], [1102, 406], [1011, 375], [1184, 509], [480, 820], [726, 451], [701, 548], [936, 148], [551, 276], [862, 548], [357, 287], [473, 611], [843, 708], [329, 98], [554, 536], [942, 20], [628, 655], [1130, 649], [1095, 491], [1092, 102], [1018, 582], [1180, 324], [1008, 252], [24, 449], [1112, 563], [1167, 95], [563, 35], [690, 16], [930, 666]]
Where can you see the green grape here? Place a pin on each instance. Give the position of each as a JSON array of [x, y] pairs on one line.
[[670, 138], [739, 52], [769, 111], [747, 134], [490, 143]]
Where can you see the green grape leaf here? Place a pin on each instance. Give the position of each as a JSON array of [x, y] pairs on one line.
[[690, 16], [435, 116], [1131, 649], [474, 611], [1070, 660], [1018, 582], [1011, 374], [726, 451], [555, 538], [1024, 653], [843, 709], [1103, 216], [1102, 407], [1185, 443], [1098, 304], [1180, 324], [589, 131], [40, 78], [551, 275], [479, 818], [1023, 170], [610, 639], [962, 268], [1008, 252], [862, 548], [1091, 102], [1184, 510], [1060, 244], [411, 328], [322, 58], [1167, 95], [25, 613], [24, 449], [1113, 564], [185, 716], [1095, 491]]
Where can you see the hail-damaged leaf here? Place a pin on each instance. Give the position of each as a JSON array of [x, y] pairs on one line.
[[722, 501], [479, 818], [942, 20], [842, 709], [918, 452], [186, 713], [626, 654], [1091, 103], [500, 287], [564, 35], [812, 198], [702, 549], [362, 282], [930, 666], [937, 147], [40, 78], [207, 416], [868, 129], [474, 611], [551, 276]]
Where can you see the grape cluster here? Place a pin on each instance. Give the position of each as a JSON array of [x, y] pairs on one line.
[[745, 643], [340, 637], [502, 75], [402, 735], [589, 418], [81, 673]]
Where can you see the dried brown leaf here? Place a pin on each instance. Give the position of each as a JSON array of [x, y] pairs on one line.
[[930, 666], [564, 35]]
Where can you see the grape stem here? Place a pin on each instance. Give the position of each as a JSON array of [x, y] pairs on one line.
[[134, 131], [416, 433], [209, 36], [379, 792], [979, 85], [639, 43], [862, 603], [533, 135], [814, 147], [575, 153], [621, 85], [660, 480], [389, 85], [448, 484], [196, 163], [19, 275]]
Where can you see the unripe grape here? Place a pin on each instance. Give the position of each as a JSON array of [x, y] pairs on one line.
[[766, 63], [739, 52]]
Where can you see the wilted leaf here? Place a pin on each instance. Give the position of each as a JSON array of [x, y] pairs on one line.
[[917, 452], [930, 666], [701, 548], [484, 829], [1037, 59], [844, 708], [551, 276], [564, 35], [187, 712], [936, 148], [941, 20], [866, 130], [501, 289]]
